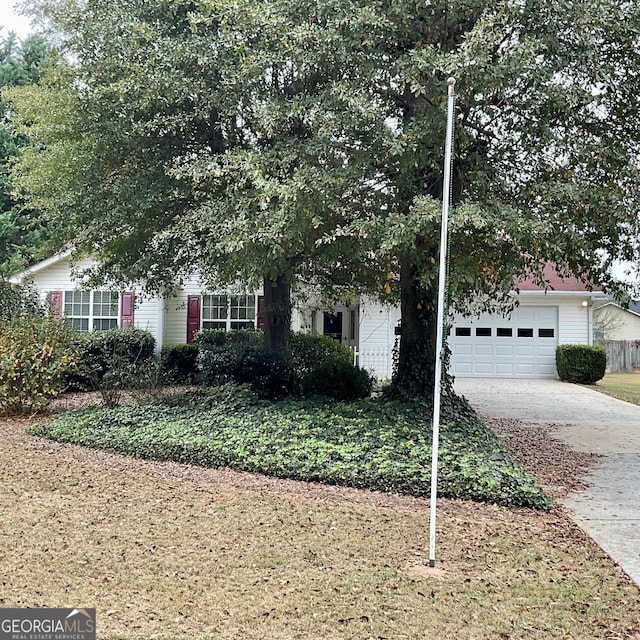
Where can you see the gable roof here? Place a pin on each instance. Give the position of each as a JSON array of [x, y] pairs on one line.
[[40, 266], [633, 308], [556, 282]]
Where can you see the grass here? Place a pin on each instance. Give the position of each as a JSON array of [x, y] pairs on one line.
[[625, 386], [173, 559], [373, 444]]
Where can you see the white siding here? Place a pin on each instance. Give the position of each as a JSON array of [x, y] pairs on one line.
[[574, 322], [618, 324], [60, 277], [175, 310], [377, 337], [57, 277]]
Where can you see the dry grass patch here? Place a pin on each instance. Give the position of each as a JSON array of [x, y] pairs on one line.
[[164, 557], [624, 386]]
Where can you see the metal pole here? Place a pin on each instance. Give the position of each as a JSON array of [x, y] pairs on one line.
[[446, 195]]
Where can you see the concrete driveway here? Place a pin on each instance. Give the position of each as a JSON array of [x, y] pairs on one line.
[[609, 510]]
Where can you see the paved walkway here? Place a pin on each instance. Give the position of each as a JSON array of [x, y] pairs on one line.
[[609, 510]]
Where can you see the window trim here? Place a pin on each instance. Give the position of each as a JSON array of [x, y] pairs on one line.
[[228, 322], [77, 320]]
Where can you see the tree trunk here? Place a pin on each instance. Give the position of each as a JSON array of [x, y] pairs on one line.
[[277, 313], [415, 373]]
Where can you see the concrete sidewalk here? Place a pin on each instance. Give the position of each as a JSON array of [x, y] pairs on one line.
[[609, 510]]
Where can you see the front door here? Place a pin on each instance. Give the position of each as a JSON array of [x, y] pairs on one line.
[[332, 325]]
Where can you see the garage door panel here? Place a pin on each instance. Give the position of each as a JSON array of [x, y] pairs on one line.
[[521, 346], [483, 350], [505, 370], [462, 350], [525, 369], [483, 368]]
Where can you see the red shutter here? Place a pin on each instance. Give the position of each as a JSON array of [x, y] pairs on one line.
[[55, 300], [260, 318], [126, 309], [193, 316]]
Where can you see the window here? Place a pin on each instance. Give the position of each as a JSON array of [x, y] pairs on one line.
[[525, 333], [546, 333], [228, 312], [243, 312], [215, 312], [91, 310], [463, 331], [504, 332], [483, 332]]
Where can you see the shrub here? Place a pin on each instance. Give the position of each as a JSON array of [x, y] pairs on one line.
[[338, 379], [211, 338], [581, 363], [309, 351], [100, 351], [223, 354], [178, 363], [270, 375], [36, 355]]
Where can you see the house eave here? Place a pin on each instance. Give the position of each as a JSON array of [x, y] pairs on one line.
[[552, 293], [20, 277]]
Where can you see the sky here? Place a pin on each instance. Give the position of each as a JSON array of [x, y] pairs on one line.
[[11, 21]]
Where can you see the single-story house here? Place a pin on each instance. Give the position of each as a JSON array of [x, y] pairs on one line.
[[614, 322], [519, 345]]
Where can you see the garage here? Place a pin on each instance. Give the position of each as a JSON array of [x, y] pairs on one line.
[[521, 345]]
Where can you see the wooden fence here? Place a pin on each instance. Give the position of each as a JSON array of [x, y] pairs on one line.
[[622, 355]]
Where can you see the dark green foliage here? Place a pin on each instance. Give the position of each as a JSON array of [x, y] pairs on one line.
[[223, 354], [179, 363], [239, 356], [309, 351], [338, 379], [270, 375], [23, 236], [209, 338], [104, 351], [581, 363], [373, 444]]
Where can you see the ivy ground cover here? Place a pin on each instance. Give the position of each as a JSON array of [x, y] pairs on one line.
[[373, 444]]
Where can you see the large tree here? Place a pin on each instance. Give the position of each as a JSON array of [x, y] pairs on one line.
[[216, 137], [21, 234], [283, 139]]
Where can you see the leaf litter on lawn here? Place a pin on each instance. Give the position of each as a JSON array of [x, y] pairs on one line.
[[175, 551]]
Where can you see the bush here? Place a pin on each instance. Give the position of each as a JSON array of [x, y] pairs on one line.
[[212, 338], [222, 354], [269, 374], [318, 364], [178, 363], [36, 355], [581, 363], [309, 351], [338, 379], [101, 351]]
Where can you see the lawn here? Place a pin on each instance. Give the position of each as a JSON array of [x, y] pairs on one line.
[[173, 552], [625, 386]]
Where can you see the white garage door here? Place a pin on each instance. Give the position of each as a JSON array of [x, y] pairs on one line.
[[520, 346]]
